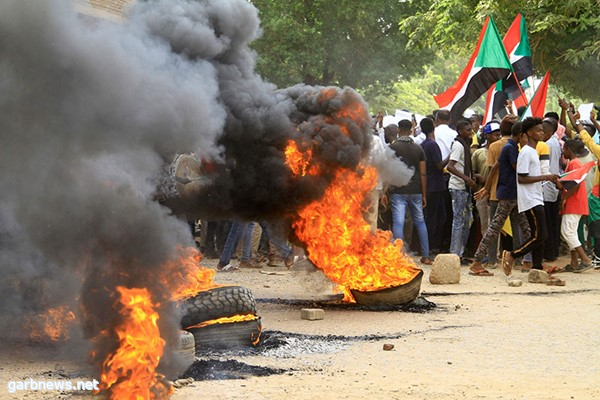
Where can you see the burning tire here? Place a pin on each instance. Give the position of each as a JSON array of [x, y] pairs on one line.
[[225, 301], [396, 295], [228, 335]]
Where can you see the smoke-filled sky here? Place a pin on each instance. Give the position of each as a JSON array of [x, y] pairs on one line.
[[92, 110]]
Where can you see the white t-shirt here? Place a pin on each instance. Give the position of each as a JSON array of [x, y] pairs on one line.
[[444, 136], [420, 138], [531, 194], [457, 155]]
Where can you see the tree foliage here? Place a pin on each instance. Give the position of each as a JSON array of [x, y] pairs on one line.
[[344, 42], [564, 36]]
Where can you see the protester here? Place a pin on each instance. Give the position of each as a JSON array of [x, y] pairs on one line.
[[530, 197], [491, 133], [507, 202], [491, 183], [551, 192], [435, 212], [573, 205], [460, 185], [413, 195]]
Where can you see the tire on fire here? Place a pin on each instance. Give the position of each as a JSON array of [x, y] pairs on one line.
[[227, 336], [225, 301]]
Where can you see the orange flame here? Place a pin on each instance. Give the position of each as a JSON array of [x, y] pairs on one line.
[[129, 373], [189, 277], [300, 162], [224, 320], [54, 324], [340, 242]]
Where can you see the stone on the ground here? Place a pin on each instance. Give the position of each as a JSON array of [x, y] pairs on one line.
[[312, 314], [445, 269], [388, 347], [538, 276], [515, 282]]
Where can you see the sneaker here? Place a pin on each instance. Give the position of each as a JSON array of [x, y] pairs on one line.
[[582, 268]]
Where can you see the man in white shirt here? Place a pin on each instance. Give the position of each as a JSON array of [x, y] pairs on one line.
[[530, 197], [460, 185], [444, 135]]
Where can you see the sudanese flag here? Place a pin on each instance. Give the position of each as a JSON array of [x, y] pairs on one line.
[[488, 64], [575, 177]]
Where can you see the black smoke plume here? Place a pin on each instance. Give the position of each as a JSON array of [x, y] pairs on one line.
[[91, 111]]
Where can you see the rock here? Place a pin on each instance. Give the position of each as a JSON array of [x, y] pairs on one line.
[[538, 276], [312, 314], [388, 347], [515, 282], [445, 269]]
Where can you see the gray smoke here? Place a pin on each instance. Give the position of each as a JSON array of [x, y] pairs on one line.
[[92, 110]]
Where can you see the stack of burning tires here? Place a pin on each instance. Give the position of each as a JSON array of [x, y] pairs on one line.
[[221, 318]]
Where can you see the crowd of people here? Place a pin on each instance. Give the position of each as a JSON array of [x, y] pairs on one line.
[[490, 193], [497, 194]]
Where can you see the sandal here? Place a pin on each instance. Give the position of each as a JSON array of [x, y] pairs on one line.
[[553, 269], [556, 282], [507, 265], [426, 261], [480, 272]]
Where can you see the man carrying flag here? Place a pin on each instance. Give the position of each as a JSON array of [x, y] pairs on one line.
[[488, 64]]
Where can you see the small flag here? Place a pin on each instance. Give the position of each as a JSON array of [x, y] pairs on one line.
[[489, 63], [537, 104], [575, 177]]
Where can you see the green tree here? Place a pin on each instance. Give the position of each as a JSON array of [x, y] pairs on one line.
[[336, 42], [564, 35]]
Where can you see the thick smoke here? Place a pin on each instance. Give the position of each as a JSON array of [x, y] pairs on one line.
[[91, 111]]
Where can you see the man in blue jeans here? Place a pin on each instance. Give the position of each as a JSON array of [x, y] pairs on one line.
[[414, 194], [460, 185]]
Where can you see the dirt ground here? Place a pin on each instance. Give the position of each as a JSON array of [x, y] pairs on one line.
[[484, 340]]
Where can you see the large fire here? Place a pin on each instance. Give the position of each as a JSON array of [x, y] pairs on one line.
[[338, 239], [341, 244], [130, 372]]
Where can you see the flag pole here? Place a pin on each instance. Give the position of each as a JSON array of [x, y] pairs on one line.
[[520, 88]]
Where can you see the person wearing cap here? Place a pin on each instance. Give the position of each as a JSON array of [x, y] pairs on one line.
[[491, 133], [491, 182]]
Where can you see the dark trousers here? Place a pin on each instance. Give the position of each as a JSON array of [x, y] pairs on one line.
[[435, 218], [535, 244], [552, 243]]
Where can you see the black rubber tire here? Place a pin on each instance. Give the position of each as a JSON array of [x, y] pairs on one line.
[[224, 301], [228, 336]]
